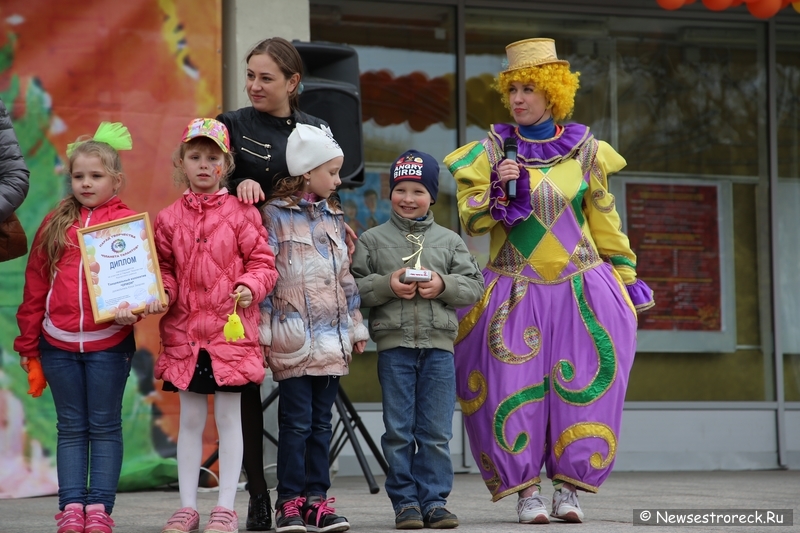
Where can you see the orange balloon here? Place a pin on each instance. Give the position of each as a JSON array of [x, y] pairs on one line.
[[670, 5], [764, 9], [717, 5], [796, 6]]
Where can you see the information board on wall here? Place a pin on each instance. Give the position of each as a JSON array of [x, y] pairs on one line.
[[675, 232], [682, 234]]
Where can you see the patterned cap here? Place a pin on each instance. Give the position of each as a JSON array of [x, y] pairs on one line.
[[208, 127], [416, 166], [532, 53]]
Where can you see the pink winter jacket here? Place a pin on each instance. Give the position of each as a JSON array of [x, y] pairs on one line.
[[207, 245]]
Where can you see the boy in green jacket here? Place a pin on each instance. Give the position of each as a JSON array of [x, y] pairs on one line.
[[413, 273]]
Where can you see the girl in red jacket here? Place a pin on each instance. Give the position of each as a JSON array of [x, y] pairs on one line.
[[86, 364], [214, 259]]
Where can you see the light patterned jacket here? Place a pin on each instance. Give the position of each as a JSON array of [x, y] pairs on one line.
[[312, 318]]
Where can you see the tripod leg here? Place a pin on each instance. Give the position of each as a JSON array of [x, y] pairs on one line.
[[362, 460], [266, 403], [269, 399], [270, 437], [338, 440], [376, 452]]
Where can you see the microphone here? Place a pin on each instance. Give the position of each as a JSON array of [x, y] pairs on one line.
[[510, 148]]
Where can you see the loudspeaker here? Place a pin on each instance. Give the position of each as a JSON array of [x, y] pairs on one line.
[[331, 91]]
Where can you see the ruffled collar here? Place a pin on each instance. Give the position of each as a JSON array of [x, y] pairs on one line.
[[546, 152]]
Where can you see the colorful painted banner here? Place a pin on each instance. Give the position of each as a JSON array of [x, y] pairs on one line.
[[65, 67]]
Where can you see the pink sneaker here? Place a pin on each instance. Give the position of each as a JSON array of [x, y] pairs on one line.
[[184, 520], [97, 519], [71, 519], [222, 521]]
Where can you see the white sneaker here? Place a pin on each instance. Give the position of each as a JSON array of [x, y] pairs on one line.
[[533, 509], [566, 506]]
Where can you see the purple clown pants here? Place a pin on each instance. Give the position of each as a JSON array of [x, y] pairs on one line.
[[541, 373]]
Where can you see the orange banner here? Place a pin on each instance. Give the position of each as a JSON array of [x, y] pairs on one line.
[[65, 67]]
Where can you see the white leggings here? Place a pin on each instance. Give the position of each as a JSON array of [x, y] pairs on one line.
[[194, 408]]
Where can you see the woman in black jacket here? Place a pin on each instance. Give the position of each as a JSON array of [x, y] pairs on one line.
[[258, 133], [258, 136]]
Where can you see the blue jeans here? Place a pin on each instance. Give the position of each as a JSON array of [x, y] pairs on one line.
[[87, 391], [304, 438], [419, 394]]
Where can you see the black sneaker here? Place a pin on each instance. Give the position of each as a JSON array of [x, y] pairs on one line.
[[288, 518], [440, 518], [259, 513], [320, 518], [408, 518]]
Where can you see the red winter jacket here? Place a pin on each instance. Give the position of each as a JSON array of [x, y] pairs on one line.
[[60, 310], [207, 245]]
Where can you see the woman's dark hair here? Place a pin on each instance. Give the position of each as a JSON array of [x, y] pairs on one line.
[[287, 58]]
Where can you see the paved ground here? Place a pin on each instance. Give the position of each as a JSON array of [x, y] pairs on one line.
[[610, 510]]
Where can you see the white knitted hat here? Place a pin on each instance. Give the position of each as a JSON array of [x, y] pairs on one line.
[[308, 147]]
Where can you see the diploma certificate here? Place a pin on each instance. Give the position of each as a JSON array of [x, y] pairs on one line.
[[121, 266]]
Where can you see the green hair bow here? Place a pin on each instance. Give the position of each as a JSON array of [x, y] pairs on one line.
[[116, 135]]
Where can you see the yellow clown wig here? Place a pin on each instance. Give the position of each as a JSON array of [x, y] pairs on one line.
[[555, 80]]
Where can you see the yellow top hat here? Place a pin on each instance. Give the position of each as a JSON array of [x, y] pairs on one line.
[[532, 53]]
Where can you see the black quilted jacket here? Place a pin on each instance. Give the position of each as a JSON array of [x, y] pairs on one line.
[[13, 172], [258, 141]]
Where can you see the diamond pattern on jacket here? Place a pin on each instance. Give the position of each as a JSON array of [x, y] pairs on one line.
[[548, 203], [509, 259], [584, 254], [526, 235]]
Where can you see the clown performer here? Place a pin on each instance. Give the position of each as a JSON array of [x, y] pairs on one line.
[[542, 360]]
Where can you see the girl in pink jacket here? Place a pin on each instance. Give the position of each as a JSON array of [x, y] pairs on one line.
[[215, 262]]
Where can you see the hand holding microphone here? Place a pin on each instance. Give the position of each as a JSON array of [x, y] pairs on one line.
[[510, 149]]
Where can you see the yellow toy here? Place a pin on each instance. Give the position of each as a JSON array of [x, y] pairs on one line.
[[234, 330]]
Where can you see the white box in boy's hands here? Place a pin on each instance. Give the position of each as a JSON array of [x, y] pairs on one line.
[[415, 274]]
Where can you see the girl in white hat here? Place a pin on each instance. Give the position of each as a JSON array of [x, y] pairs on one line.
[[310, 325]]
